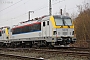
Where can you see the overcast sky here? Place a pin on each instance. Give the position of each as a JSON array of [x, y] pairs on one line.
[[14, 11]]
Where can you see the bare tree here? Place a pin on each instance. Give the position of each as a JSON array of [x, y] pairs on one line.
[[82, 26]]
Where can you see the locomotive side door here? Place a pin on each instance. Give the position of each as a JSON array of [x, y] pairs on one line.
[[45, 28], [3, 34]]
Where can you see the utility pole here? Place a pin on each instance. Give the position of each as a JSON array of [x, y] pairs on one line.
[[29, 13], [50, 8], [61, 11]]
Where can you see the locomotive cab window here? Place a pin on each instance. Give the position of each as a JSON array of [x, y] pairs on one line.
[[3, 31], [60, 21], [67, 21]]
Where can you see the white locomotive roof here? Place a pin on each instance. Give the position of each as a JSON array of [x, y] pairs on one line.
[[30, 21], [26, 23]]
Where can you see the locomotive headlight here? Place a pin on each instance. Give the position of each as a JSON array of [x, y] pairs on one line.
[[54, 32], [73, 33]]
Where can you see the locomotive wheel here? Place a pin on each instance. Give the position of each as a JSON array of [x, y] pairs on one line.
[[50, 46], [36, 46]]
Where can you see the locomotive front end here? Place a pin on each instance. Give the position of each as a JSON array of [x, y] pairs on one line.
[[63, 30]]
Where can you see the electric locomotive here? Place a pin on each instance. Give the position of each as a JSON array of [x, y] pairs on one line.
[[55, 30]]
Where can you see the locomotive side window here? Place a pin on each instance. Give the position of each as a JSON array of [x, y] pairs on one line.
[[43, 23], [13, 31], [39, 26], [16, 31], [47, 22], [0, 33], [29, 28], [25, 29], [36, 27], [3, 31]]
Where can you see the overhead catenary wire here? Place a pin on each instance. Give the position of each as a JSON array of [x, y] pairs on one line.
[[67, 10], [46, 6], [27, 13], [10, 6], [14, 8], [34, 10]]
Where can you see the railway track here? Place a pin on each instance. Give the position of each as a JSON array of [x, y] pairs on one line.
[[81, 52], [20, 57]]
